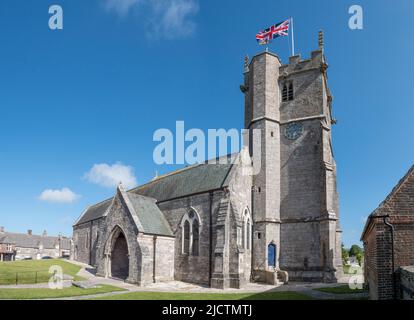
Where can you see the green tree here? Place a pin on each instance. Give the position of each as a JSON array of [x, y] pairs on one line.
[[355, 250], [360, 257], [345, 255]]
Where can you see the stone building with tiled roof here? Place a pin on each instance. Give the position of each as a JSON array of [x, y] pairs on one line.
[[17, 246], [226, 224]]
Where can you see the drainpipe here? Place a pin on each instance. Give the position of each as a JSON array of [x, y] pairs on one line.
[[210, 229], [392, 256], [392, 229], [154, 246], [90, 243], [253, 233]]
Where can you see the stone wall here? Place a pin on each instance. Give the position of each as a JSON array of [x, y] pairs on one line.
[[310, 234], [86, 239], [405, 281]]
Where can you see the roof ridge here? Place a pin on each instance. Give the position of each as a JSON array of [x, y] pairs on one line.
[[167, 175], [229, 155], [396, 187]]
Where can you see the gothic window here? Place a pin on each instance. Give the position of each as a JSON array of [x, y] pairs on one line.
[[191, 233], [186, 247], [246, 229], [290, 92], [287, 91], [195, 237], [248, 234]]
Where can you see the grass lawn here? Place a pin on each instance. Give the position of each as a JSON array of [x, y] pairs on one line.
[[50, 293], [26, 271], [340, 290], [287, 295]]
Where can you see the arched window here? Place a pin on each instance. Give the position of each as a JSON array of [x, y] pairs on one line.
[[190, 225], [285, 92], [186, 247], [246, 229], [195, 237], [290, 93]]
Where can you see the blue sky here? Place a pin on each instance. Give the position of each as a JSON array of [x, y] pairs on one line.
[[95, 92]]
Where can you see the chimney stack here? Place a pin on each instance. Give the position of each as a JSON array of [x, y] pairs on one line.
[[29, 232]]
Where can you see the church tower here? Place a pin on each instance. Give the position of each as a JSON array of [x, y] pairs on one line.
[[294, 198]]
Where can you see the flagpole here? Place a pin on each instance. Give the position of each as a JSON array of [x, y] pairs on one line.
[[293, 38]]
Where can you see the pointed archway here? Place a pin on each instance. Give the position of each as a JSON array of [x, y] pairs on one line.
[[119, 257]]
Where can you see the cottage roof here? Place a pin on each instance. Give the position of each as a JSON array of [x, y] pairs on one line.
[[33, 241]]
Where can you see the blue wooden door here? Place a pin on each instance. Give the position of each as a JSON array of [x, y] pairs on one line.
[[271, 255]]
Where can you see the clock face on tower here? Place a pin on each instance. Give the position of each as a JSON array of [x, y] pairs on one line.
[[293, 130]]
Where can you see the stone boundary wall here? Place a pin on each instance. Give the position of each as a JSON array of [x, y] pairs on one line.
[[405, 281]]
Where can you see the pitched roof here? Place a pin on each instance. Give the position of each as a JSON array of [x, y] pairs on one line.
[[187, 181], [378, 210], [33, 241], [94, 212], [149, 215], [191, 180]]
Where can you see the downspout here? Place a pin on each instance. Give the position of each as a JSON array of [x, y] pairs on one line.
[[154, 248], [252, 235], [392, 256], [210, 230], [90, 243], [384, 217]]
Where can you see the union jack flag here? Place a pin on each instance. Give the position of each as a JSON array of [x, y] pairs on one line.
[[277, 30]]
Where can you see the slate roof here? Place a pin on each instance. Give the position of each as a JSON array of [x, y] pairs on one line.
[[187, 181], [196, 179], [95, 212], [32, 241], [150, 216]]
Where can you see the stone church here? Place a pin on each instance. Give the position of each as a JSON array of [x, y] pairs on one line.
[[214, 225]]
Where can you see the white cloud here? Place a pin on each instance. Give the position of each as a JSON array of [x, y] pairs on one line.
[[173, 18], [64, 195], [364, 219], [110, 175], [164, 18], [122, 7]]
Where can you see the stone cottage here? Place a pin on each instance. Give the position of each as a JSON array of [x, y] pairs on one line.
[[215, 225], [18, 246]]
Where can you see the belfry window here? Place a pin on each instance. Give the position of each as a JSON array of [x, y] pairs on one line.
[[290, 92], [190, 225], [287, 91]]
